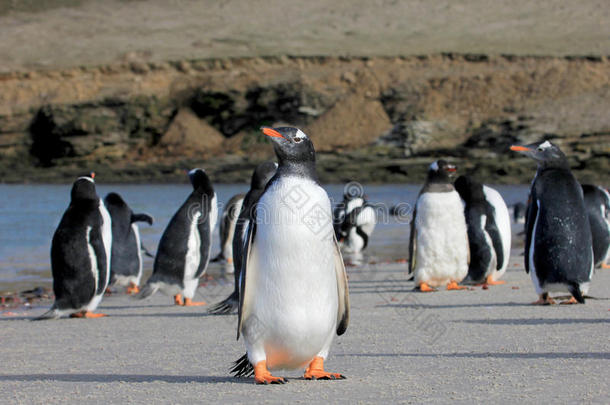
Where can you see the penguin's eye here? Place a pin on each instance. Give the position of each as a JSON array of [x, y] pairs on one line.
[[540, 149], [297, 140]]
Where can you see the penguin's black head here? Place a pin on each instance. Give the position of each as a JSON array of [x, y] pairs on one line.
[[469, 189], [115, 200], [201, 181], [84, 188], [291, 145], [440, 172], [546, 154], [262, 174]]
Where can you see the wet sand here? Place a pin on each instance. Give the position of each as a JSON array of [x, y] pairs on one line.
[[401, 346]]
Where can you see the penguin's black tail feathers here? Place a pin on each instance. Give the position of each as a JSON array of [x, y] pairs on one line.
[[227, 306], [576, 293], [52, 313], [148, 290], [242, 367]]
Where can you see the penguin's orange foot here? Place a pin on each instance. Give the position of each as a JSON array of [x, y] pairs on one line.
[[491, 281], [132, 289], [189, 303], [178, 299], [315, 371], [454, 286], [544, 300], [571, 301], [605, 266], [107, 291], [423, 287], [263, 376], [86, 314], [230, 260]]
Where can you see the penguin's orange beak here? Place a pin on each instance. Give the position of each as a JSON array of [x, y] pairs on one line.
[[93, 175], [518, 148], [271, 132]]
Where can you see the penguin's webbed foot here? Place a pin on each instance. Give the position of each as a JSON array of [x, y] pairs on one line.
[[132, 289], [571, 301], [454, 286], [178, 300], [544, 299], [605, 266], [263, 376], [491, 281], [190, 303], [423, 287], [315, 371], [86, 314]]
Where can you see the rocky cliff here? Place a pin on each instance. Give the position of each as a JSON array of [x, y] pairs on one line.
[[371, 119]]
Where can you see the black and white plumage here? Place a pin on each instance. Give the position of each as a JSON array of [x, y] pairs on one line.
[[184, 250], [354, 220], [438, 245], [80, 254], [227, 226], [597, 203], [489, 231], [558, 245], [293, 291], [126, 262], [260, 177]]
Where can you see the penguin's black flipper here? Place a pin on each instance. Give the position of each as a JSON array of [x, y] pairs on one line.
[[412, 241], [142, 218], [242, 367], [97, 243], [532, 212], [576, 293], [496, 239]]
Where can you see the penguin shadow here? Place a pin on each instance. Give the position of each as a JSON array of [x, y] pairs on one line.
[[130, 378], [539, 321], [497, 355], [452, 306], [166, 315]]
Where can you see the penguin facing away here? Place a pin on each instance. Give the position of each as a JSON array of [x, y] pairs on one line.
[[489, 232], [80, 254], [126, 262], [293, 292], [558, 245], [184, 249], [260, 177], [438, 244], [597, 203]]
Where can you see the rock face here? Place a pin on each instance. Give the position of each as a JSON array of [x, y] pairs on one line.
[[390, 115]]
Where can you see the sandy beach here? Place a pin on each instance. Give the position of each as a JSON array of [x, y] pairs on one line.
[[401, 346]]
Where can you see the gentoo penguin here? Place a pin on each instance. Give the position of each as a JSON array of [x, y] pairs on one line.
[[126, 262], [80, 254], [354, 220], [519, 213], [260, 177], [293, 293], [228, 220], [597, 203], [438, 246], [184, 249], [489, 233], [558, 251]]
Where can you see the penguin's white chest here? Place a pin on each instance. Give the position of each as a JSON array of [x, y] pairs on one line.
[[295, 299], [442, 241]]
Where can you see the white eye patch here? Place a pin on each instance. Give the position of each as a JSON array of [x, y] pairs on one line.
[[86, 178], [545, 145], [299, 136]]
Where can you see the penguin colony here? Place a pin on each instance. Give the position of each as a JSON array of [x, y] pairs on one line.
[[460, 234]]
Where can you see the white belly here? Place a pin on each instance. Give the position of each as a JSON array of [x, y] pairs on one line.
[[294, 286], [442, 241], [503, 223]]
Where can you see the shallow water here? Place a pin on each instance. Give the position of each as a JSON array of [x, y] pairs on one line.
[[29, 215]]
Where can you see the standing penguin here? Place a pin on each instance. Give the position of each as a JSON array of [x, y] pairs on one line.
[[489, 233], [597, 203], [126, 262], [558, 251], [228, 221], [354, 220], [260, 177], [80, 254], [438, 245], [184, 249], [293, 294]]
